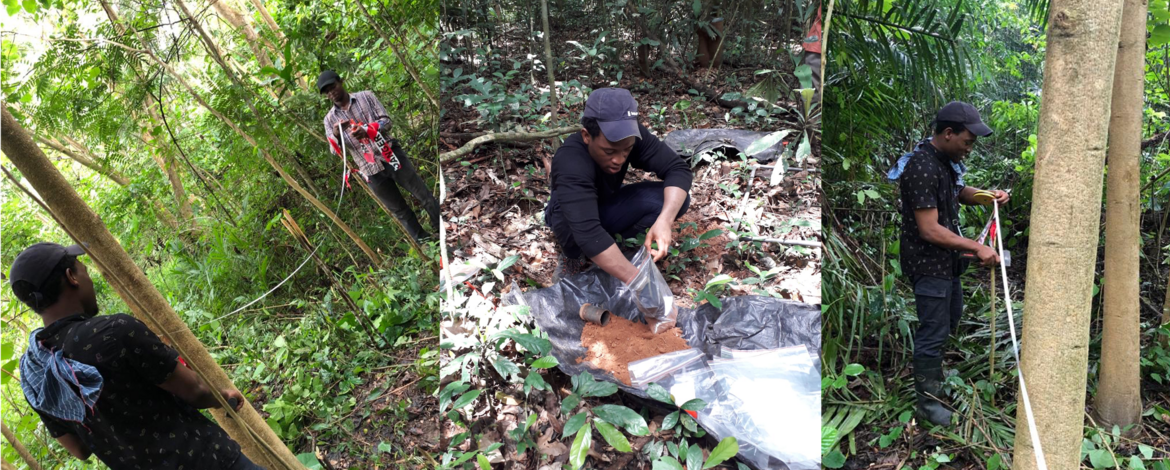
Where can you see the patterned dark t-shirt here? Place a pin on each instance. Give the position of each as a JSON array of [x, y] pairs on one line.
[[928, 182], [135, 425]]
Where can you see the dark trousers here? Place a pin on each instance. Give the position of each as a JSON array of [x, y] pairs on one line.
[[243, 463], [385, 186], [628, 212], [939, 303]]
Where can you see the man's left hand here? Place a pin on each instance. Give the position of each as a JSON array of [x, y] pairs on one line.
[[358, 132], [659, 233]]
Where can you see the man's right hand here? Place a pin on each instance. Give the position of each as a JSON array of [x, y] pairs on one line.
[[987, 256]]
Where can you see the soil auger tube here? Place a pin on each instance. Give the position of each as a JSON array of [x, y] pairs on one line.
[[1040, 462]]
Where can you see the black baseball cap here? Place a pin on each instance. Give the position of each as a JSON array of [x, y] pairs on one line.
[[35, 263], [326, 78], [616, 112], [965, 114]]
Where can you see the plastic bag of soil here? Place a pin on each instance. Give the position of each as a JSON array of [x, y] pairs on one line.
[[738, 338], [651, 294]]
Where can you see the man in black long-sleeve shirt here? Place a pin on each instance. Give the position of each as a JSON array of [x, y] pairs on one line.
[[589, 204]]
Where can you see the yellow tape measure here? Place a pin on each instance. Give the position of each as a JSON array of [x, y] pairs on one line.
[[983, 197]]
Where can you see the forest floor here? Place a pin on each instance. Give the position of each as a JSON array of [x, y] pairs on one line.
[[494, 205]]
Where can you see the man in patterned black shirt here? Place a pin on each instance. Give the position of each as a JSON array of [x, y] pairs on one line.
[[379, 159], [931, 180], [106, 385]]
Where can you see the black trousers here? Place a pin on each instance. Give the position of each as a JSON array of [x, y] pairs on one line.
[[939, 303], [631, 210], [385, 186]]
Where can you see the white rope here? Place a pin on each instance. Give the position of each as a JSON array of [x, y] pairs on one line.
[[1040, 462]]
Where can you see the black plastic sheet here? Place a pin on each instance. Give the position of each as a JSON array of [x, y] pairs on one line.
[[744, 322], [690, 142]]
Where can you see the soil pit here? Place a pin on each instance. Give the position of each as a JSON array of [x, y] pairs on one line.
[[613, 347]]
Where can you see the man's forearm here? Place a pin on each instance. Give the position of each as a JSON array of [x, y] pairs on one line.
[[673, 199], [939, 236], [613, 262], [967, 195]]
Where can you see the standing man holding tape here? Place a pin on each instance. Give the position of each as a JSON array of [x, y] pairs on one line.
[[931, 182], [107, 385], [359, 124]]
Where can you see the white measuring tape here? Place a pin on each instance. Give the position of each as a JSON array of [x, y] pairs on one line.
[[1040, 462]]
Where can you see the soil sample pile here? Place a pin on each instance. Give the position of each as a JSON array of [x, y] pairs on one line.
[[614, 346]]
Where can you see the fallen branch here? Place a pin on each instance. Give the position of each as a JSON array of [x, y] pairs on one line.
[[1156, 139], [505, 137]]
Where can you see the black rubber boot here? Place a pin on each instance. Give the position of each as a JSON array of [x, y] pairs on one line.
[[928, 388]]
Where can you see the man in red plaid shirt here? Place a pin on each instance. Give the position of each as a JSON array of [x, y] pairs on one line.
[[359, 124]]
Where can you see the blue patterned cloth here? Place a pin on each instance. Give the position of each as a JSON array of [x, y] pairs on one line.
[[62, 388], [900, 166]]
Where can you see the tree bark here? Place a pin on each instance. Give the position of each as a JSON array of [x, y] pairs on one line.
[[16, 444], [4, 465], [1118, 401], [166, 163], [1166, 310], [1065, 217], [548, 65], [246, 427], [259, 4]]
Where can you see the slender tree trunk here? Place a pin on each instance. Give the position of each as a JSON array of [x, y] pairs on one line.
[[85, 158], [548, 65], [1119, 400], [401, 58], [246, 427], [236, 19], [16, 444], [1166, 310], [5, 465], [1066, 211], [259, 5], [166, 163]]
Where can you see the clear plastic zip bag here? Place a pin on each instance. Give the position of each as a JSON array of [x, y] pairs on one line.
[[651, 294]]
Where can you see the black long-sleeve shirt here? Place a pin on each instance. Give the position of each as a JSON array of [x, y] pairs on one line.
[[579, 185]]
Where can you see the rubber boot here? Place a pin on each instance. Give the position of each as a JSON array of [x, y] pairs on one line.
[[928, 388]]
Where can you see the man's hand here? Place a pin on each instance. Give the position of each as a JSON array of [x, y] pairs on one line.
[[1001, 197], [659, 233], [358, 132], [987, 256], [229, 394]]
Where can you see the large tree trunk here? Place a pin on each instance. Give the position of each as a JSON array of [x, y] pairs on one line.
[[1066, 211], [1118, 400], [16, 444], [256, 439]]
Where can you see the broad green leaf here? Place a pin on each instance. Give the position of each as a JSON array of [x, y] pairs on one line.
[[613, 436], [534, 380], [310, 461], [622, 416], [573, 424], [545, 362], [658, 393], [466, 399], [719, 280], [667, 463], [726, 449], [508, 262], [505, 367], [763, 143], [828, 436], [694, 405], [694, 457], [570, 403], [670, 421], [834, 459], [580, 449], [803, 73], [853, 369], [803, 150], [482, 460], [1101, 458]]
